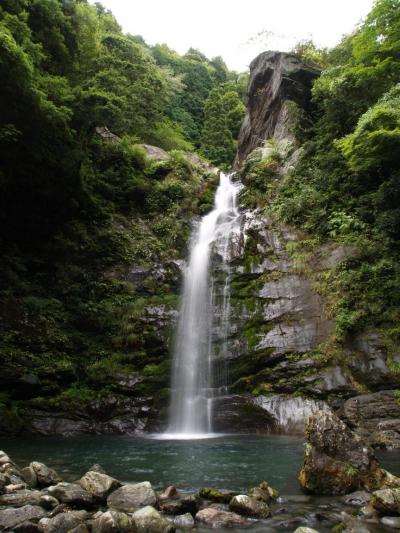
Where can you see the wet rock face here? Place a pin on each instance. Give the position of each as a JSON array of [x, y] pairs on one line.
[[275, 79], [375, 417], [111, 415], [336, 461]]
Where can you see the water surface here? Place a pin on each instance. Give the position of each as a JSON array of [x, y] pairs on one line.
[[236, 462]]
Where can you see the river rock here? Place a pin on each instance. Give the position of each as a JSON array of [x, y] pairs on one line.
[[10, 518], [245, 505], [391, 521], [129, 498], [149, 520], [98, 485], [29, 476], [217, 518], [63, 522], [305, 530], [4, 458], [387, 501], [358, 498], [335, 459], [113, 521], [97, 468], [82, 528], [71, 494], [263, 492], [217, 495], [48, 502], [187, 504], [20, 498], [27, 527], [3, 482], [183, 521], [168, 493], [45, 476]]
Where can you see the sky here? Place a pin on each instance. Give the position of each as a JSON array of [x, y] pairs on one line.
[[238, 30]]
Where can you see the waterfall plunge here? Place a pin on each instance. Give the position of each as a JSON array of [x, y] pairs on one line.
[[198, 368]]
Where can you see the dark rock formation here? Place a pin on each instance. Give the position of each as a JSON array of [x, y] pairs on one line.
[[275, 79], [112, 415], [375, 417], [336, 461]]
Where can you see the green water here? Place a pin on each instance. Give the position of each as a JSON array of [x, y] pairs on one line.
[[235, 462]]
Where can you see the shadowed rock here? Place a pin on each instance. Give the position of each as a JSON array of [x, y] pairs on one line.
[[336, 461]]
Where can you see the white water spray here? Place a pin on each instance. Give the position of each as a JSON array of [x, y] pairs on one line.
[[198, 374]]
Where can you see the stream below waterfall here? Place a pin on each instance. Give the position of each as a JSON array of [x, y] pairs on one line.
[[236, 462]]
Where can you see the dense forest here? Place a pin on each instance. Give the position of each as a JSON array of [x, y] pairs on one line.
[[78, 207], [345, 186]]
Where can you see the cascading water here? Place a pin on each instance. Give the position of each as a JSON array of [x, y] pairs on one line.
[[198, 367]]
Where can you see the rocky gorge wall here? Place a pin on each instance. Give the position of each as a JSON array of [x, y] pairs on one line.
[[283, 361], [285, 356]]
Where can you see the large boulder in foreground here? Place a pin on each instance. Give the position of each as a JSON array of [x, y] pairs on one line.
[[336, 461], [149, 520], [98, 485], [130, 498], [219, 519]]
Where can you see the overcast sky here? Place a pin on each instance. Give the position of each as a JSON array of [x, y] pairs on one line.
[[232, 28]]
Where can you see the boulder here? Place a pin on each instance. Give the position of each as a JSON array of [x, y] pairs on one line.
[[149, 520], [98, 485], [375, 417], [387, 501], [217, 495], [263, 492], [97, 468], [3, 482], [113, 521], [391, 521], [129, 498], [82, 528], [48, 502], [359, 498], [27, 527], [45, 476], [336, 461], [247, 506], [183, 521], [29, 476], [305, 530], [20, 498], [10, 518], [168, 493], [71, 494], [218, 519], [4, 458], [188, 504], [63, 522]]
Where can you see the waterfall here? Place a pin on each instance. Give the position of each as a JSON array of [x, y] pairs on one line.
[[198, 373]]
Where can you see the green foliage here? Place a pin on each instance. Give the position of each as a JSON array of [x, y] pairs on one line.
[[78, 208], [375, 142], [224, 112]]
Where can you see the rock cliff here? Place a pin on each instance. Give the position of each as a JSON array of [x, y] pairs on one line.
[[277, 80], [283, 341]]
